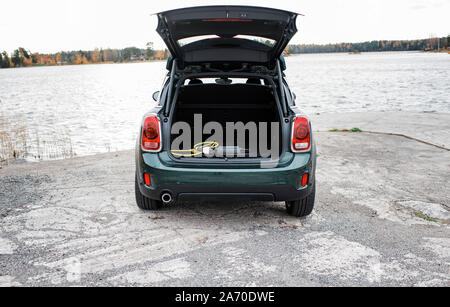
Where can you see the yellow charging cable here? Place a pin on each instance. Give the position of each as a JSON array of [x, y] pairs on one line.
[[198, 150]]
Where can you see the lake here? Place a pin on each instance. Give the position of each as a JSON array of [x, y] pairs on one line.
[[81, 110]]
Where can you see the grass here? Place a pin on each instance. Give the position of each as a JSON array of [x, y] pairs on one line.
[[424, 217], [354, 130], [13, 142], [17, 143]]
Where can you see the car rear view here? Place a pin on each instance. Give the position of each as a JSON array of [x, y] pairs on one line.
[[226, 125]]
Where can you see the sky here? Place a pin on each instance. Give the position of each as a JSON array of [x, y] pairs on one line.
[[55, 25]]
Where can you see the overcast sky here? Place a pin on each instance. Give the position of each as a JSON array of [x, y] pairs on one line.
[[54, 25]]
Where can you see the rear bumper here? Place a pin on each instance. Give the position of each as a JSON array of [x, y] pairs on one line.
[[282, 183]]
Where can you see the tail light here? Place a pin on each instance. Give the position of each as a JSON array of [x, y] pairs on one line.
[[301, 135], [305, 178], [151, 134], [147, 179]]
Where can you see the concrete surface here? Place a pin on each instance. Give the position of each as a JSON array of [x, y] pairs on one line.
[[429, 127], [381, 218]]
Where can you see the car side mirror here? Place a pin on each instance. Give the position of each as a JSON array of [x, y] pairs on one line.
[[295, 96], [156, 95]]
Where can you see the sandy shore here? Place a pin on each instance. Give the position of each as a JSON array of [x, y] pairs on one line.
[[382, 218]]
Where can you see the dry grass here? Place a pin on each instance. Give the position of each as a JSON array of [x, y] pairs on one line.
[[17, 143], [13, 142]]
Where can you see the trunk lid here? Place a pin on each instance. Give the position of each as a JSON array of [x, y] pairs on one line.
[[242, 34]]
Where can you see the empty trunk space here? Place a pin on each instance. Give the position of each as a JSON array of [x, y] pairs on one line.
[[250, 109]]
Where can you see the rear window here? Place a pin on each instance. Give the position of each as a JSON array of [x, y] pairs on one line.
[[262, 40], [226, 81], [190, 40]]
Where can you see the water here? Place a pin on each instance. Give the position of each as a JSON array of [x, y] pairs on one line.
[[388, 81], [91, 109]]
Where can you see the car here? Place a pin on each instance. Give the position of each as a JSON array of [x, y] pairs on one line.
[[226, 75]]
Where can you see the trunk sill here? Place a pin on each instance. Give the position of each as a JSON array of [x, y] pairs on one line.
[[284, 160]]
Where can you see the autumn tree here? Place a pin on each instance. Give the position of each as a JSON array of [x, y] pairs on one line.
[[95, 56], [25, 56], [159, 55], [24, 53], [36, 58], [48, 59], [58, 58], [149, 52], [78, 59], [27, 61]]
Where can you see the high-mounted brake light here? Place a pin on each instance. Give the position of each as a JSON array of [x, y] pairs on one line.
[[151, 134], [229, 20], [301, 135]]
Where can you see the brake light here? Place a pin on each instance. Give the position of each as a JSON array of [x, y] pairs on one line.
[[147, 180], [228, 20], [151, 134], [305, 178], [301, 134]]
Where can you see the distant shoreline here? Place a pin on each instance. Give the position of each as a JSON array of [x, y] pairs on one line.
[[87, 64], [361, 52], [22, 57], [293, 54]]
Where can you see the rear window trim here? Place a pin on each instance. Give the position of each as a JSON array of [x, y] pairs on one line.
[[258, 39]]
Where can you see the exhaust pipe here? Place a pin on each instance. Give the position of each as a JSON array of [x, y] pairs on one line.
[[167, 198]]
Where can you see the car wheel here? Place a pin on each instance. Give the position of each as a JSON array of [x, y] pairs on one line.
[[143, 202], [302, 207]]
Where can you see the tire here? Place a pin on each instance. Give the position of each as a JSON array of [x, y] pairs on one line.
[[143, 202], [302, 207]]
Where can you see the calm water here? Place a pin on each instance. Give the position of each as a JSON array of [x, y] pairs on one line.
[[98, 108]]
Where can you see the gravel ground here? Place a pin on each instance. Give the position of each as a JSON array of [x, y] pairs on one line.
[[381, 219]]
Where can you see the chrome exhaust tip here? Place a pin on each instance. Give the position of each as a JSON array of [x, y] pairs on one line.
[[167, 198]]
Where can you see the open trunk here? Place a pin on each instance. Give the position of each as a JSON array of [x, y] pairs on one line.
[[234, 29], [244, 103]]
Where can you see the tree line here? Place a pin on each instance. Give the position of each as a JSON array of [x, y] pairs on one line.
[[373, 46], [22, 57]]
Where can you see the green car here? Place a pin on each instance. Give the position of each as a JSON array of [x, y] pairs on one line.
[[226, 125]]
